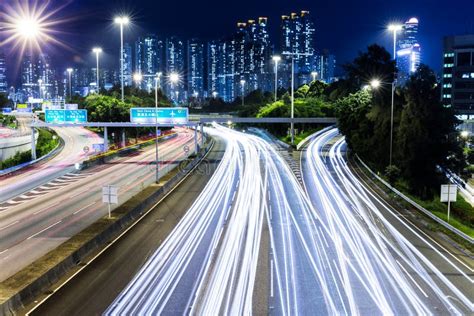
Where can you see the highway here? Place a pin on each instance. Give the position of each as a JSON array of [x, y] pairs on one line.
[[335, 246], [75, 139], [380, 261], [42, 218]]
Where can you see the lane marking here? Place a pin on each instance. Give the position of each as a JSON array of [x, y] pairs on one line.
[[42, 231], [40, 211], [81, 209], [411, 278], [2, 252], [11, 224]]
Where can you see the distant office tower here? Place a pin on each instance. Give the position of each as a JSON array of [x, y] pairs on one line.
[[149, 51], [29, 78], [45, 77], [195, 68], [175, 64], [297, 41], [408, 50], [212, 68], [458, 74], [325, 66], [3, 74], [127, 65]]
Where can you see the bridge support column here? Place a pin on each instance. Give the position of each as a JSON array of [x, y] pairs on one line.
[[196, 146], [124, 141], [202, 134], [33, 144], [106, 140]]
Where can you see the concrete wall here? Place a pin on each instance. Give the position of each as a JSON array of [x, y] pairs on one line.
[[11, 145]]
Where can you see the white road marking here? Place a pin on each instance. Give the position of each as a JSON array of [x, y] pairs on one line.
[[11, 224], [81, 209], [42, 231]]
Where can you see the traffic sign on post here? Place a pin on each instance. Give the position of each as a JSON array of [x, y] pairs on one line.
[[168, 116], [65, 116], [449, 193], [110, 195]]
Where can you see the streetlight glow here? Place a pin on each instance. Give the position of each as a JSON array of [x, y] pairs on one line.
[[375, 84], [314, 74], [97, 50], [174, 77], [395, 27], [123, 20], [276, 58], [137, 77]]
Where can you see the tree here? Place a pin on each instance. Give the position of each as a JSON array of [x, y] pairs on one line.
[[4, 101], [427, 136]]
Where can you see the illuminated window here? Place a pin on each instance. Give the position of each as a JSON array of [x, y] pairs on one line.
[[448, 75], [448, 65], [447, 85]]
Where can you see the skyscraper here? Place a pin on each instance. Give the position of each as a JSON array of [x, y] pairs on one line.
[[3, 74], [175, 63], [127, 64], [149, 51], [297, 41], [408, 50], [212, 68], [325, 66], [195, 68], [458, 74]]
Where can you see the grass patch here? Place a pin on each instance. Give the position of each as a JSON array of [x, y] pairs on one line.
[[300, 136]]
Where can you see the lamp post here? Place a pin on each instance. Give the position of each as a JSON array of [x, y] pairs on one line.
[[121, 21], [40, 82], [97, 51], [394, 28], [69, 72], [314, 74], [157, 169], [242, 84], [292, 126], [276, 60], [174, 79]]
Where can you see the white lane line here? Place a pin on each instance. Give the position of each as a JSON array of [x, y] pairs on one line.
[[79, 193], [271, 278], [42, 231], [411, 278], [2, 252], [11, 224], [81, 209], [40, 211]]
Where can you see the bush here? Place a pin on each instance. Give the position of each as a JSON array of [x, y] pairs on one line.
[[19, 158]]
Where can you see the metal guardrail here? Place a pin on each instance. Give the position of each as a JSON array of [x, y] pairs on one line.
[[419, 207]]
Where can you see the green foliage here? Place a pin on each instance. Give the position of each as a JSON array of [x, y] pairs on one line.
[[4, 101], [47, 141], [102, 108], [392, 173], [426, 134], [8, 121], [19, 158]]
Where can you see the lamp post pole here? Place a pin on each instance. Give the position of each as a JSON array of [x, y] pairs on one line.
[[394, 28], [276, 59]]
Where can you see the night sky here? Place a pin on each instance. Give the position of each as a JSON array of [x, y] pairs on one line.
[[344, 27]]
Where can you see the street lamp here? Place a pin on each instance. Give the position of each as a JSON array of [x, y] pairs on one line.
[[276, 60], [69, 72], [138, 77], [157, 83], [174, 79], [242, 84], [375, 83], [394, 28], [121, 21], [314, 74], [214, 94], [97, 51]]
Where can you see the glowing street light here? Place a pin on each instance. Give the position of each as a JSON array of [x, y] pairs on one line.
[[314, 74], [394, 28], [174, 77], [121, 21], [97, 51], [465, 134], [214, 94], [375, 83], [276, 60], [138, 78], [69, 72]]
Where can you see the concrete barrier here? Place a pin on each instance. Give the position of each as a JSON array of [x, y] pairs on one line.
[[11, 145], [25, 295]]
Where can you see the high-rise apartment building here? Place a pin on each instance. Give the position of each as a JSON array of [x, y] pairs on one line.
[[325, 66], [149, 53], [408, 50], [195, 68], [3, 74], [297, 42], [127, 64], [458, 74], [175, 64]]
